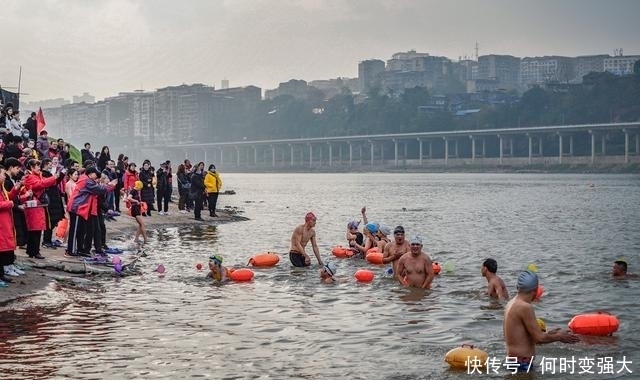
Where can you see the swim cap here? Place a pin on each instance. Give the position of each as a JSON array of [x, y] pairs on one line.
[[216, 259], [330, 268], [416, 240], [372, 227], [527, 281], [309, 217], [138, 185], [384, 229], [398, 229], [353, 224]]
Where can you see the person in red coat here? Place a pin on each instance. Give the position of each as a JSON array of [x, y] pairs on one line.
[[130, 178], [7, 233], [34, 211]]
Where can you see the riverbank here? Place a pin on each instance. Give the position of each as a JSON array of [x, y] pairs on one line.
[[56, 266]]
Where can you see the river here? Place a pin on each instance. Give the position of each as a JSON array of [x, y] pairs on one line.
[[285, 324]]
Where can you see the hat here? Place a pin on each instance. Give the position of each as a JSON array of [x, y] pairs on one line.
[[92, 169], [416, 240], [43, 132], [398, 229], [212, 167], [353, 224], [372, 227], [384, 229], [309, 217], [527, 281], [216, 259], [330, 268]]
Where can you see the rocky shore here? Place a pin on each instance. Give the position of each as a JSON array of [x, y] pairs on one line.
[[56, 266]]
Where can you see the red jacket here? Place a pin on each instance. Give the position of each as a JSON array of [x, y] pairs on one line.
[[130, 179], [8, 233], [84, 200], [35, 216]]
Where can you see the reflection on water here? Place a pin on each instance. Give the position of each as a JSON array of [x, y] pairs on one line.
[[285, 324]]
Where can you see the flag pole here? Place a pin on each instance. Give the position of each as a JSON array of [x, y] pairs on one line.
[[19, 80]]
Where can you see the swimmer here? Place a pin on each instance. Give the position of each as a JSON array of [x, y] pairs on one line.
[[395, 249], [327, 272], [371, 234], [415, 269], [216, 271], [354, 237], [520, 327], [299, 239], [495, 286], [619, 270]]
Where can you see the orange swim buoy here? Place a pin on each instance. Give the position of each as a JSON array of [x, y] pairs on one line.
[[436, 268], [372, 250], [63, 225], [374, 257], [539, 292], [340, 251], [600, 324], [241, 275], [364, 275], [466, 356], [266, 259]]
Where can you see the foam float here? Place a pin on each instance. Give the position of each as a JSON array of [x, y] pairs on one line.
[[265, 259], [437, 268], [374, 257], [364, 275], [240, 275], [598, 324], [466, 356], [340, 251]]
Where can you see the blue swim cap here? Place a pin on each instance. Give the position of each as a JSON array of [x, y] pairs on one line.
[[527, 281], [372, 227]]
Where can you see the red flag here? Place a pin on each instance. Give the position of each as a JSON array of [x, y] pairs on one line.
[[40, 123]]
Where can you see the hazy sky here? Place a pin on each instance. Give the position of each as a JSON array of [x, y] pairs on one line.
[[108, 46]]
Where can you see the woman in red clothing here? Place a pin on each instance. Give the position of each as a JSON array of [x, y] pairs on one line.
[[130, 178], [34, 211], [7, 237]]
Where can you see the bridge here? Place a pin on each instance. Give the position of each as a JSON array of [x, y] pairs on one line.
[[584, 144]]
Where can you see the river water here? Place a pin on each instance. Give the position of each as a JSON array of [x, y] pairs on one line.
[[285, 324]]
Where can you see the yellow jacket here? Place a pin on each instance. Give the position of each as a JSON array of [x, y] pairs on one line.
[[212, 182]]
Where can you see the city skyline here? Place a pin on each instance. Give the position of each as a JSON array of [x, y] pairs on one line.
[[119, 45]]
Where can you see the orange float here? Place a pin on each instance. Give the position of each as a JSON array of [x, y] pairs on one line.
[[241, 275], [364, 275], [539, 292], [372, 250], [340, 251], [600, 324], [466, 356], [62, 227], [266, 259], [374, 257], [436, 268]]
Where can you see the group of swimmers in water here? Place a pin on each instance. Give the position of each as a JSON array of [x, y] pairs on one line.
[[411, 265], [413, 268]]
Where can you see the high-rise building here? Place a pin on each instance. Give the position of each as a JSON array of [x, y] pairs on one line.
[[369, 72], [542, 70], [505, 69], [588, 63], [621, 64]]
